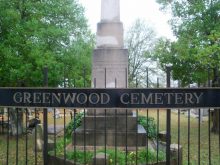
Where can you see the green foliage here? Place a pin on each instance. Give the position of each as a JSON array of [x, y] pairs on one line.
[[35, 34], [60, 144], [73, 124], [196, 26], [149, 125], [142, 156]]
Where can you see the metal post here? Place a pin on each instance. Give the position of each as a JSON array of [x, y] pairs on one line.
[[45, 121], [158, 83], [147, 77], [209, 82], [136, 84], [168, 122]]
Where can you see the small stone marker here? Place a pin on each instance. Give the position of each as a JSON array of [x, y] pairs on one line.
[[99, 159], [39, 137], [174, 153], [162, 136]]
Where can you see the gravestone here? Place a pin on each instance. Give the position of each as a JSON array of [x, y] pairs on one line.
[[110, 70]]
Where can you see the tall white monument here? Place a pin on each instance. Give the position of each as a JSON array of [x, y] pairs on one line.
[[110, 11], [109, 70], [110, 54]]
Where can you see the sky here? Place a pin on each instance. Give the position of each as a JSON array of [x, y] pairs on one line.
[[130, 10]]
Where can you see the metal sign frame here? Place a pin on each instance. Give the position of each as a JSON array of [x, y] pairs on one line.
[[110, 98]]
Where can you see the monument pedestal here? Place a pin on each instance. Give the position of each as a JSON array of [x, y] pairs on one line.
[[110, 127], [110, 35], [110, 68], [110, 131]]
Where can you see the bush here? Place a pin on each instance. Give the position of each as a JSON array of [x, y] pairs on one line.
[[142, 156], [70, 127], [149, 125]]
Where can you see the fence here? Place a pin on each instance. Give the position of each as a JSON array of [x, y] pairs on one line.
[[177, 132]]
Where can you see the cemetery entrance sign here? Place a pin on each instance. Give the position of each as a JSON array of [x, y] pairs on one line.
[[110, 98]]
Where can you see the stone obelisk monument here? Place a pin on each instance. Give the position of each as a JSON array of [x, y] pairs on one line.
[[110, 59], [109, 70]]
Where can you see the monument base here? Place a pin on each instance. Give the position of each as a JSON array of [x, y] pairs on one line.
[[109, 68], [109, 138]]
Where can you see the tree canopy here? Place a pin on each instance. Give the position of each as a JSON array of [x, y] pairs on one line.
[[196, 25], [139, 39], [46, 33]]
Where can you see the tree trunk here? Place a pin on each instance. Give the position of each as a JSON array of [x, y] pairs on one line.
[[215, 120], [16, 119], [215, 117]]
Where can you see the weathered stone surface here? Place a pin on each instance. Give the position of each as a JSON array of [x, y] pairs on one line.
[[109, 70], [109, 112], [38, 133], [115, 61], [110, 10], [175, 153], [109, 35], [112, 138], [110, 122], [162, 136]]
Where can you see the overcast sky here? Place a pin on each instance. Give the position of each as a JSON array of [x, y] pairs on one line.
[[130, 11]]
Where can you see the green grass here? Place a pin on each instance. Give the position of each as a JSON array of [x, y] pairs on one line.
[[204, 156], [174, 133], [142, 156], [22, 145], [21, 151]]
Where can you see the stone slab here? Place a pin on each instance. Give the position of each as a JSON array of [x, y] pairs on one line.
[[112, 123], [109, 112], [109, 138]]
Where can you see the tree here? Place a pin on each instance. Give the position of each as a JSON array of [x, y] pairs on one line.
[[139, 40], [196, 26], [35, 34]]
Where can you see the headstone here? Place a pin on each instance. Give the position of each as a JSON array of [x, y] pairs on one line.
[[162, 136], [110, 70], [38, 134], [100, 159], [175, 152]]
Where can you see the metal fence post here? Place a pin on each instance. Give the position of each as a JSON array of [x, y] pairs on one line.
[[158, 82], [45, 121], [147, 70], [168, 121]]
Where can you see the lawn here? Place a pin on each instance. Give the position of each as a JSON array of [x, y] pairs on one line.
[[204, 156], [215, 158]]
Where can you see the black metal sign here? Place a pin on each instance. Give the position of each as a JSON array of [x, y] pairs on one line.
[[110, 98]]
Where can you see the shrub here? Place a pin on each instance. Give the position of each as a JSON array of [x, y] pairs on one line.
[[142, 156], [149, 125], [70, 127]]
